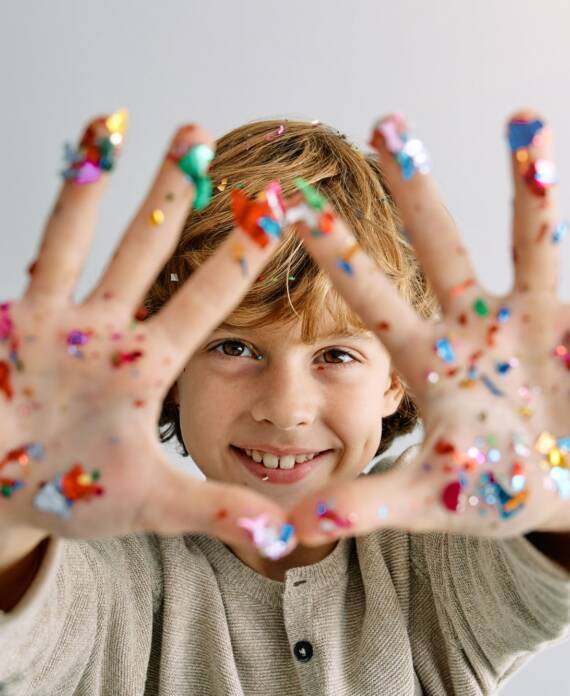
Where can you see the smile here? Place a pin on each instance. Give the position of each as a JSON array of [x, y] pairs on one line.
[[270, 469]]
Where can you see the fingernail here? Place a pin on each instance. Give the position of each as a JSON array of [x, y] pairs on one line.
[[272, 541], [193, 157], [526, 131], [98, 149], [391, 132]]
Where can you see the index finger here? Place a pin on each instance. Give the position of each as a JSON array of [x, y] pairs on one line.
[[217, 287], [360, 281]]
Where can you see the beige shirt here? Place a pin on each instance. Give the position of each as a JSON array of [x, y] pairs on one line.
[[388, 613]]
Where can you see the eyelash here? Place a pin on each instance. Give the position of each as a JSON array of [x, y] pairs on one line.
[[335, 350]]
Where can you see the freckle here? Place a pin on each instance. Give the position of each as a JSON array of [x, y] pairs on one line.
[[221, 514], [383, 326]]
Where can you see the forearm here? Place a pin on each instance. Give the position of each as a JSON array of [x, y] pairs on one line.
[[21, 554]]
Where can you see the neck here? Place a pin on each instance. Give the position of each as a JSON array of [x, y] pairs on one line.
[[275, 570]]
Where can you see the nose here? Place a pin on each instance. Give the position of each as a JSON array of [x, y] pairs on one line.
[[285, 397]]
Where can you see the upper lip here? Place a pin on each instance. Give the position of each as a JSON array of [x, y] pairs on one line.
[[279, 451]]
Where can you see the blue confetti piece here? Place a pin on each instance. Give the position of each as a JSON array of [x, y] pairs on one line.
[[503, 314], [286, 532], [521, 134], [560, 231], [563, 443], [383, 511], [491, 386], [561, 478], [344, 266], [270, 226], [444, 349], [503, 368]]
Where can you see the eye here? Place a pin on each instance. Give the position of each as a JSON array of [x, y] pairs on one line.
[[338, 351], [236, 345]]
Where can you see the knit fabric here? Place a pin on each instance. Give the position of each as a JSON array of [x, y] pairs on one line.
[[388, 613]]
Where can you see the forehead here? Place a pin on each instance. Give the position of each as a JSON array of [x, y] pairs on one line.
[[292, 331]]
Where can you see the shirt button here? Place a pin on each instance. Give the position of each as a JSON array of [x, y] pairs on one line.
[[303, 651]]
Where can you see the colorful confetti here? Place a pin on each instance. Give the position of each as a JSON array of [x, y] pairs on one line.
[[270, 540], [98, 149], [408, 152], [194, 161], [59, 496]]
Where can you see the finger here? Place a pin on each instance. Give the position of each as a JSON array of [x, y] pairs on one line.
[[234, 514], [153, 233], [71, 225], [370, 502], [217, 286], [361, 282], [537, 229], [427, 221]]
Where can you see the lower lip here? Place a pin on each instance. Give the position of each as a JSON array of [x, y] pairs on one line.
[[278, 475]]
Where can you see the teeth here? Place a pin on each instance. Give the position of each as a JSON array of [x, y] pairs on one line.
[[271, 461]]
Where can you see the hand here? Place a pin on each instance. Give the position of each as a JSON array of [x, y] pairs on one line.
[[491, 376], [81, 385]]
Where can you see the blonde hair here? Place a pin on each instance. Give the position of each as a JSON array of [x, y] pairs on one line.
[[291, 285]]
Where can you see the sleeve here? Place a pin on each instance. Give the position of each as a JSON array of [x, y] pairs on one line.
[[503, 600], [88, 600]]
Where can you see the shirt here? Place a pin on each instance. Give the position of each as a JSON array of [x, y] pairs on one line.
[[389, 612]]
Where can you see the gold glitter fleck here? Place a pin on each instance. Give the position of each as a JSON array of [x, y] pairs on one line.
[[157, 217]]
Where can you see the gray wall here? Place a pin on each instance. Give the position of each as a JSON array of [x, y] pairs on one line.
[[456, 69]]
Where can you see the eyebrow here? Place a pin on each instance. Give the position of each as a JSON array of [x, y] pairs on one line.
[[357, 333]]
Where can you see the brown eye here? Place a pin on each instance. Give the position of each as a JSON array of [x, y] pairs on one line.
[[337, 351], [236, 348]]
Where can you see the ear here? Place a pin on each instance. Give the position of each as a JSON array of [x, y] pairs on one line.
[[393, 394]]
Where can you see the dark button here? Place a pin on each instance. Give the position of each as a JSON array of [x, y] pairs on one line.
[[303, 651]]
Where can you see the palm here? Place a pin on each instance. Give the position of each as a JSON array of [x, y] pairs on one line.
[[491, 376]]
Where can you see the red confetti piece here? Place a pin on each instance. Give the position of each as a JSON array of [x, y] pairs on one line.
[[450, 496], [383, 326], [118, 358], [458, 289], [5, 383], [246, 214], [73, 486], [141, 313], [444, 447]]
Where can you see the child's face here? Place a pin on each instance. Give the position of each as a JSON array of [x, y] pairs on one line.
[[297, 395]]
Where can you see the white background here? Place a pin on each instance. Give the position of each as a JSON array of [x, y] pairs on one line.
[[457, 69]]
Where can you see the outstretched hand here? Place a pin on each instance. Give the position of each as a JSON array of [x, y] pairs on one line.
[[491, 376]]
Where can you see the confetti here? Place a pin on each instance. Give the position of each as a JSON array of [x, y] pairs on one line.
[[539, 175], [444, 350], [409, 152], [97, 151], [270, 540], [481, 307], [275, 134], [261, 218], [59, 496], [157, 217], [559, 232], [194, 161], [330, 521], [174, 278]]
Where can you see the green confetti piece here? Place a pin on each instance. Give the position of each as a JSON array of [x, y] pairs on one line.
[[196, 161], [481, 307], [312, 196]]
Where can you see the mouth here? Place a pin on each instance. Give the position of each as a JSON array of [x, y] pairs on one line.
[[281, 476]]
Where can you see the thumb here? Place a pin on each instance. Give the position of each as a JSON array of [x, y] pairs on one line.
[[236, 515]]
